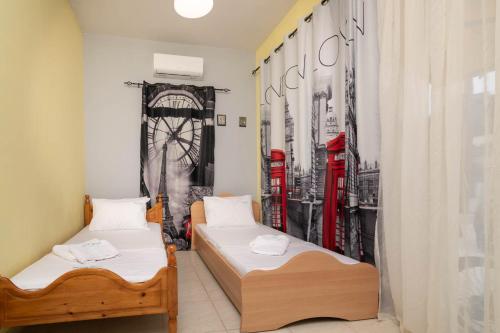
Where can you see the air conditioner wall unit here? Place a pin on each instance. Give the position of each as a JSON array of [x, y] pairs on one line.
[[171, 65]]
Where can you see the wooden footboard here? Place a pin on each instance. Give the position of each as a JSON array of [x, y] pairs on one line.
[[312, 284], [90, 293]]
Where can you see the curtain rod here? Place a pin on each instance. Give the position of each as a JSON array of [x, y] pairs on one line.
[[139, 84], [308, 18]]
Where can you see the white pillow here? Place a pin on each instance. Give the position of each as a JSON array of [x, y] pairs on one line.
[[143, 200], [119, 214], [229, 212]]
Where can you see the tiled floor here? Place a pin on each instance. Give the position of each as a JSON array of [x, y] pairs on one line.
[[204, 308]]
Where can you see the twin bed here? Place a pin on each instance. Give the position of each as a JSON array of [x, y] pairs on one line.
[[273, 291], [268, 291], [141, 281]]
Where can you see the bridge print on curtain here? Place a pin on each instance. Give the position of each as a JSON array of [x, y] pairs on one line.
[[320, 130], [177, 152]]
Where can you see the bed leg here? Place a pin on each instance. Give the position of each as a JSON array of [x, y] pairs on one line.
[[172, 324], [2, 301], [172, 290]]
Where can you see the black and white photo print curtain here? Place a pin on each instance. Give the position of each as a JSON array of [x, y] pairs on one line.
[[177, 152], [320, 130]]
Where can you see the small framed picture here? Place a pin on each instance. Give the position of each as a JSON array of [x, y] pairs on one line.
[[243, 121], [221, 120]]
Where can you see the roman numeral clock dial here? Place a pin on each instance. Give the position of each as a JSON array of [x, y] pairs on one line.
[[180, 131]]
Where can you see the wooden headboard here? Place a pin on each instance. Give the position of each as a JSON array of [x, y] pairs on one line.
[[154, 214], [198, 216]]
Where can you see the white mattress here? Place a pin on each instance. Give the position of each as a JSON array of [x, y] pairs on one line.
[[142, 255], [233, 244]]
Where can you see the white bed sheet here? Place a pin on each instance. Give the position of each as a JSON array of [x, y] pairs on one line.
[[233, 244], [142, 255]]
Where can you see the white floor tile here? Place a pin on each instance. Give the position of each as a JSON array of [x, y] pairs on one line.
[[375, 326], [217, 293], [198, 317], [228, 313], [208, 281], [191, 291]]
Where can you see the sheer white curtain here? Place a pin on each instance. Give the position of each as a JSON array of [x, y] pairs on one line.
[[440, 165]]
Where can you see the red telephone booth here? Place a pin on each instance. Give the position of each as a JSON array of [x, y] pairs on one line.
[[278, 190], [333, 207]]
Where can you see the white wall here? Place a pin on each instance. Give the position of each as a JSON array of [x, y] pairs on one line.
[[112, 112]]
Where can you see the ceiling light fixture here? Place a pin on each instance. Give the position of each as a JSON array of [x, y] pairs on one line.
[[193, 8]]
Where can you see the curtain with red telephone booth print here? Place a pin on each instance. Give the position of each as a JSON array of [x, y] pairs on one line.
[[320, 130]]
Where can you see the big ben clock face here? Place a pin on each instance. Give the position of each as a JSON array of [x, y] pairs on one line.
[[181, 132]]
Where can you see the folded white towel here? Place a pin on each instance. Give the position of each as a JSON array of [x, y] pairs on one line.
[[272, 245], [92, 250], [64, 252]]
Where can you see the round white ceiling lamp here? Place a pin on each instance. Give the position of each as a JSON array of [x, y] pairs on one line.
[[193, 8]]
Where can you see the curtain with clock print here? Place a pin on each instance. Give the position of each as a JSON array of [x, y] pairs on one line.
[[320, 130], [177, 152]]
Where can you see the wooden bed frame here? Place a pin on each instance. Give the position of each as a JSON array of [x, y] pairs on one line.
[[312, 284], [91, 293]]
